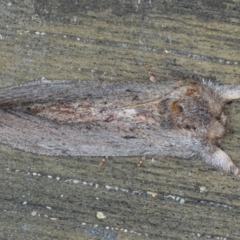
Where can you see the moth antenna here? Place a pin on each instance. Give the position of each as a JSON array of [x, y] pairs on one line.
[[150, 73]]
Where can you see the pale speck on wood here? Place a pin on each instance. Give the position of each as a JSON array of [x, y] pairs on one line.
[[33, 213], [100, 215]]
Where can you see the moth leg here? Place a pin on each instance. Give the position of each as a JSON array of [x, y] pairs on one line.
[[229, 92], [103, 160], [140, 163], [150, 73], [221, 161]]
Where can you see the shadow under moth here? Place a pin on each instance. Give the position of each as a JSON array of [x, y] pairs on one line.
[[183, 119]]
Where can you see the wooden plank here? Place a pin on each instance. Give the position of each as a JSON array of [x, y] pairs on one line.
[[58, 198]]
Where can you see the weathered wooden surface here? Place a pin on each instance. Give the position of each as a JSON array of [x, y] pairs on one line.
[[58, 198]]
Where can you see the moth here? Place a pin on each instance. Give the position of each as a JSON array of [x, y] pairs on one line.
[[183, 119]]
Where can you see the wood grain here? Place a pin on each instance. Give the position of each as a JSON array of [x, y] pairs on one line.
[[58, 198]]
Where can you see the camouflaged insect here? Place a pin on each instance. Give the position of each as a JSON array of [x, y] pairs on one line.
[[96, 118]]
